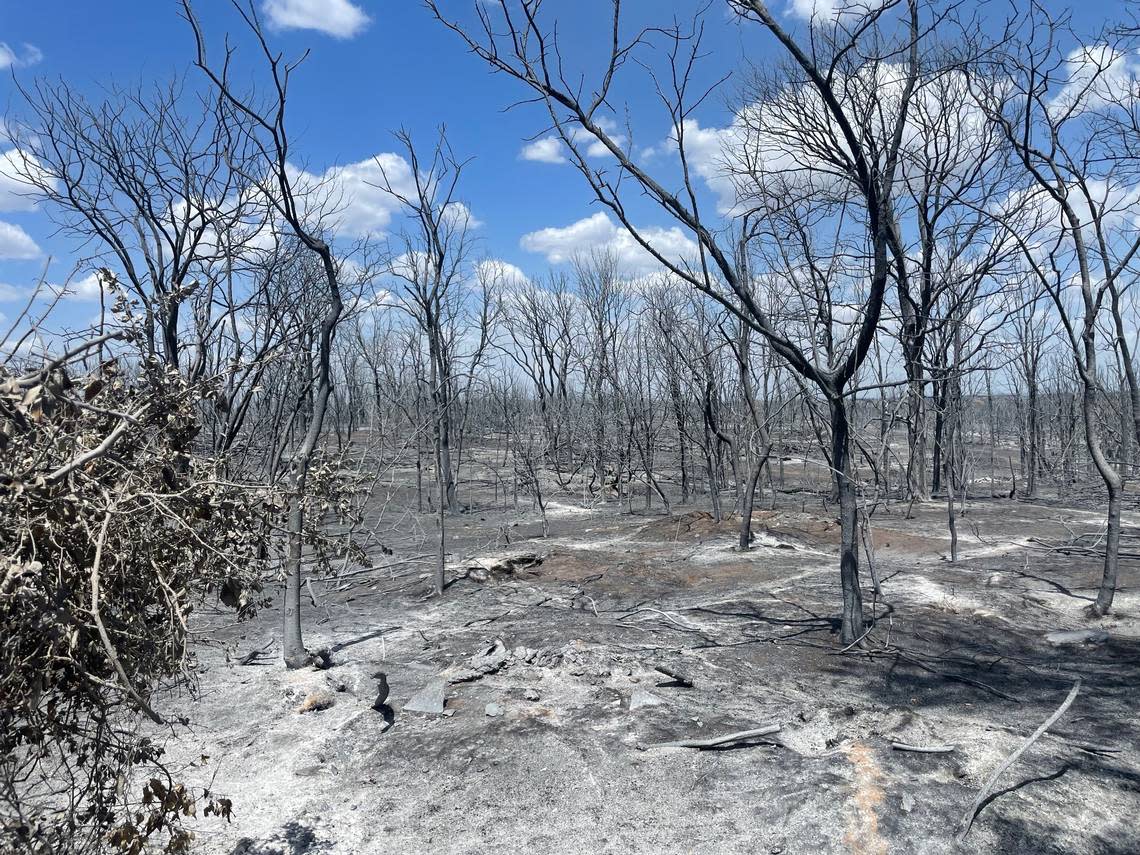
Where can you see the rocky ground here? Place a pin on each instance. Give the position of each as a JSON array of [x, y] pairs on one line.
[[544, 653]]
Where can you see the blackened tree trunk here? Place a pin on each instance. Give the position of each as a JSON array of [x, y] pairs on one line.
[[852, 627]]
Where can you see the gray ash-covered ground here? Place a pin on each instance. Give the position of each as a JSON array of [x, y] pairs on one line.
[[959, 656]]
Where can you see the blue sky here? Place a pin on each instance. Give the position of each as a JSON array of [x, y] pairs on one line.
[[374, 66]]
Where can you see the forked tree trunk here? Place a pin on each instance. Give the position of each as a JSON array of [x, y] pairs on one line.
[[292, 644]]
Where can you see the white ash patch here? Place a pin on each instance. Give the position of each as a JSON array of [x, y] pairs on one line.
[[765, 547], [926, 590], [560, 510]]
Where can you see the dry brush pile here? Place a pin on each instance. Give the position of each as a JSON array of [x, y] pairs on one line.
[[111, 533]]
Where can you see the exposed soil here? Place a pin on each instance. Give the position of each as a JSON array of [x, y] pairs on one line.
[[958, 656]]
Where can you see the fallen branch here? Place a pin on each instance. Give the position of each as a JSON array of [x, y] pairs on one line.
[[677, 676], [256, 652], [1088, 747], [362, 571], [713, 742], [1074, 549], [972, 813], [924, 749], [673, 619]]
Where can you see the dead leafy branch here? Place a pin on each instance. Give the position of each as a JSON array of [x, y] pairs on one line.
[[111, 534]]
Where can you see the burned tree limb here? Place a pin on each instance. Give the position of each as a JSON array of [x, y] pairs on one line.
[[924, 749], [678, 677], [714, 741], [975, 808]]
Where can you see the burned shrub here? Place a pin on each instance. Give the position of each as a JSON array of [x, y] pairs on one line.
[[110, 533]]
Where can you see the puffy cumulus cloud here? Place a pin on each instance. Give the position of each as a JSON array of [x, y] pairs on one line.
[[551, 149], [1037, 218], [710, 151], [598, 149], [458, 216], [767, 148], [360, 199], [829, 11], [812, 10], [15, 243], [80, 289], [1096, 75], [338, 18], [411, 266], [16, 193], [357, 193], [739, 160], [26, 55], [544, 150], [12, 294], [86, 290], [598, 233], [496, 272], [789, 144]]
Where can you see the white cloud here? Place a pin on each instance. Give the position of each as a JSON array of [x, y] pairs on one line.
[[598, 148], [1040, 220], [812, 10], [750, 154], [15, 243], [15, 192], [1097, 75], [829, 11], [87, 289], [409, 265], [364, 208], [499, 272], [458, 216], [789, 145], [598, 233], [12, 58], [551, 149], [766, 148], [545, 150], [338, 18], [354, 200], [11, 294]]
